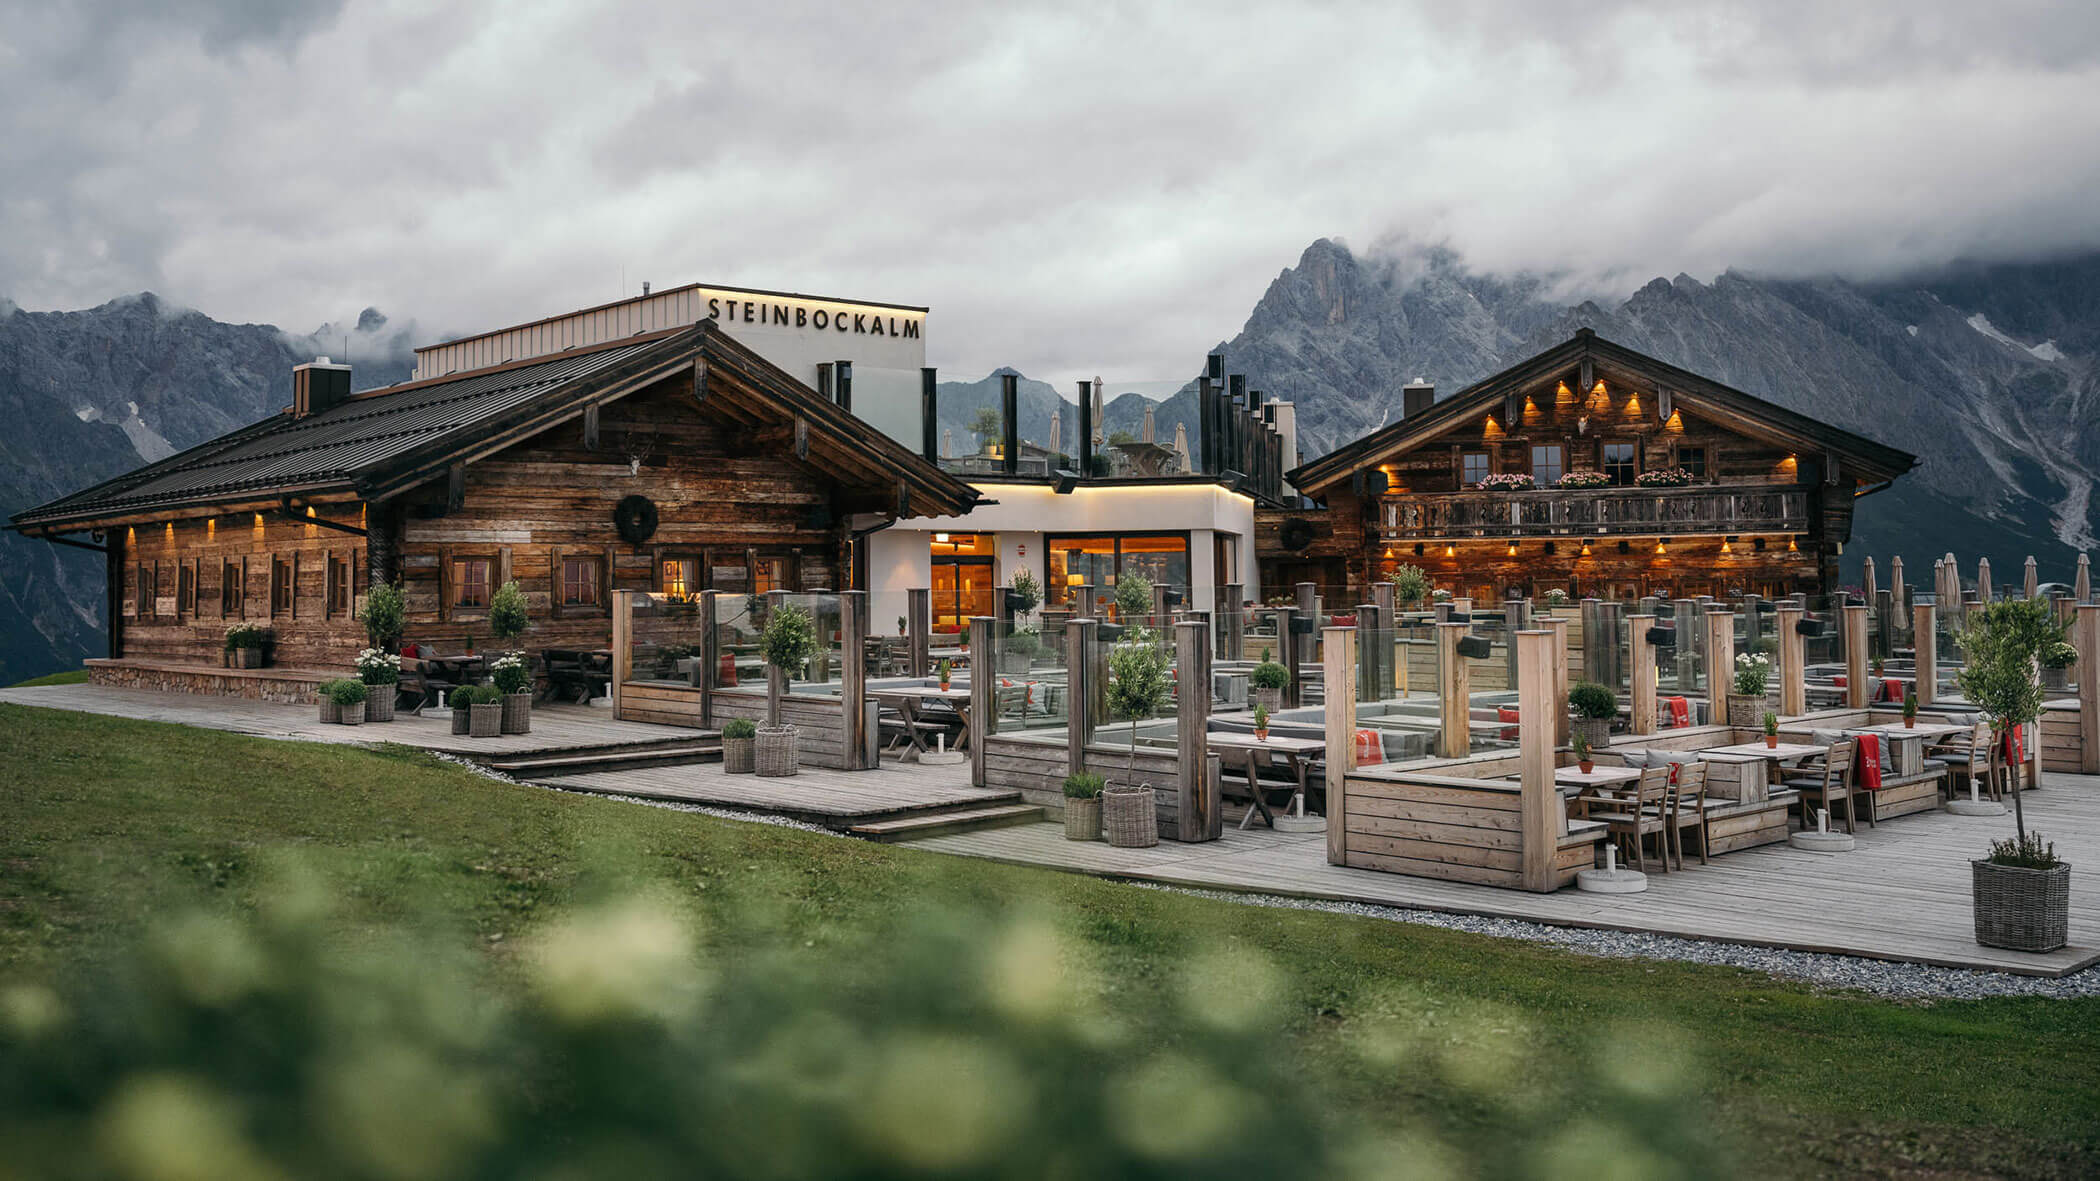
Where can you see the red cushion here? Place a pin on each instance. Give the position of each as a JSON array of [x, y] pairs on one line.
[[1369, 749]]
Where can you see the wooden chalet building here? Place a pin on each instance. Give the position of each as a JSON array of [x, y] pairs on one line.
[[1766, 507], [729, 473]]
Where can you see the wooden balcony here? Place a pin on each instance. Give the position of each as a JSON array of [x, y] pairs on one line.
[[1598, 512]]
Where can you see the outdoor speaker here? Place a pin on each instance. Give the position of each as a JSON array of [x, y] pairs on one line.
[[1809, 627], [1663, 637], [1302, 625], [1459, 617], [1174, 598], [1474, 647], [1014, 600], [1066, 480]]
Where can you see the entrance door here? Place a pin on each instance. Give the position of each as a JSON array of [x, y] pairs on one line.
[[962, 587]]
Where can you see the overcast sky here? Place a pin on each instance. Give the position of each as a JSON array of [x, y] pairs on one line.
[[1073, 188]]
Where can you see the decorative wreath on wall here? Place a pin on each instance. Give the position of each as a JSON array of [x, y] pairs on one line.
[[635, 519]]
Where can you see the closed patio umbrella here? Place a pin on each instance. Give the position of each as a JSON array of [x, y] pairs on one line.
[[1896, 584], [1868, 573], [2083, 588], [2034, 578], [1983, 580]]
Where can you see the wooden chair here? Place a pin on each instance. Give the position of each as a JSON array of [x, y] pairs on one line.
[[1688, 808], [1630, 814], [1969, 756], [1829, 780]]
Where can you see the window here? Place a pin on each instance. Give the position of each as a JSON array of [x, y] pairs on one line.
[[233, 590], [339, 585], [1100, 560], [470, 582], [1619, 462], [1693, 460], [770, 574], [281, 586], [1548, 463], [579, 582], [678, 576], [1473, 467]]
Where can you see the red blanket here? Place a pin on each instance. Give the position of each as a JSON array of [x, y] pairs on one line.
[[1369, 749], [1505, 714], [1870, 761], [1680, 711], [2014, 745]]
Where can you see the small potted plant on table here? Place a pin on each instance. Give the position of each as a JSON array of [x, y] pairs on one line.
[[513, 678], [738, 735], [1752, 669], [1771, 730], [346, 700], [943, 670], [1910, 709], [1261, 722], [788, 642], [1083, 807], [1583, 762], [1594, 706], [380, 672], [1267, 680]]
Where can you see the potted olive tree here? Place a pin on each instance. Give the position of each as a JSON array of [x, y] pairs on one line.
[[738, 734], [385, 616], [787, 643], [2021, 890], [1410, 585], [1137, 689], [1752, 669], [380, 671], [1594, 706], [513, 678], [1083, 807], [1267, 680]]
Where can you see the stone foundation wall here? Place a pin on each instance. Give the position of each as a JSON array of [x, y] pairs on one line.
[[293, 686]]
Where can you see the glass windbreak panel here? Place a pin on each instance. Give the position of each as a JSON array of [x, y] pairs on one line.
[[1038, 454], [666, 644], [889, 400], [1161, 561]]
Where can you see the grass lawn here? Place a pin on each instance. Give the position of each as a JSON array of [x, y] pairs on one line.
[[105, 824], [76, 676]]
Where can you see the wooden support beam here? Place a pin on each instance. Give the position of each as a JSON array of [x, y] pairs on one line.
[[1287, 656], [918, 630], [984, 690], [801, 437], [1370, 634], [2085, 635], [1856, 655], [1454, 686], [1720, 663], [1642, 655], [590, 427], [1082, 666], [707, 665], [853, 681], [699, 379], [622, 643], [1793, 662], [1543, 818], [1563, 724], [1232, 623], [1925, 644], [1340, 716], [1201, 815]]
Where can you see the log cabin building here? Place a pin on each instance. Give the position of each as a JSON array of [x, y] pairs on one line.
[[1646, 479], [671, 459]]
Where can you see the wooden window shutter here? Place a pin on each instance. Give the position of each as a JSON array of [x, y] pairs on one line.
[[605, 585], [554, 572], [292, 577], [501, 573], [445, 580]]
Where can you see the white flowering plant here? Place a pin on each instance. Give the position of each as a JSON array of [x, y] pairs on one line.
[[511, 673], [1751, 671], [378, 668]]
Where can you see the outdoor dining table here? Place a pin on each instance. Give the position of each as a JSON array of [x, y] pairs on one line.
[[1297, 754], [907, 700], [1579, 785]]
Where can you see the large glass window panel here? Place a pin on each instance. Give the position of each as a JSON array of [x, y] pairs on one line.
[[1548, 463], [1160, 560], [1074, 561], [962, 587]]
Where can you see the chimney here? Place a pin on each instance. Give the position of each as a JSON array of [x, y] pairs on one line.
[[645, 289], [318, 385], [1416, 397]]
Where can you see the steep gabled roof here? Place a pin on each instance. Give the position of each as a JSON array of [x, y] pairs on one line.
[[1872, 461], [384, 441]]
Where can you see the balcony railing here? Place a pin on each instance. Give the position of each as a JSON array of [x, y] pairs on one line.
[[1600, 512]]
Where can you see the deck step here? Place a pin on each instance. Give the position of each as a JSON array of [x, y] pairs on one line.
[[948, 821], [583, 762]]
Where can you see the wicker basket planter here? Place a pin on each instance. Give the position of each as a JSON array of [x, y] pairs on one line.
[[1128, 817], [1597, 730], [738, 756], [1082, 819], [331, 713], [1746, 711], [352, 714], [1270, 699], [379, 703], [774, 751], [247, 658], [2022, 909], [484, 721], [517, 712], [462, 720]]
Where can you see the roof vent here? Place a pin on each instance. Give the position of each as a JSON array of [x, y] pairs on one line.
[[318, 385]]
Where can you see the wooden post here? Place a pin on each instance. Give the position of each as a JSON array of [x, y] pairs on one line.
[[1370, 633], [705, 664], [984, 690], [622, 643], [1340, 660], [1855, 655], [1562, 724], [1543, 818], [1685, 618], [1642, 654], [918, 630], [1454, 686], [1233, 621], [1079, 671], [1201, 818], [1287, 656], [1308, 600], [1720, 663], [1925, 643], [853, 680], [1516, 617], [1885, 623], [1159, 604], [1793, 662], [1083, 601], [2086, 636]]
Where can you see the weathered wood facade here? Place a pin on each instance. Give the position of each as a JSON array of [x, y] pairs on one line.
[[1767, 511], [454, 486]]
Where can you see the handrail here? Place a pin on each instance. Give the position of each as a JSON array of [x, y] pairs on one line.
[[1603, 512]]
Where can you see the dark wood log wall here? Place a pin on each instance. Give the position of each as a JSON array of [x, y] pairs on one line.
[[181, 565]]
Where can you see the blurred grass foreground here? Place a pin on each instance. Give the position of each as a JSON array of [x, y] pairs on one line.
[[242, 1050]]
